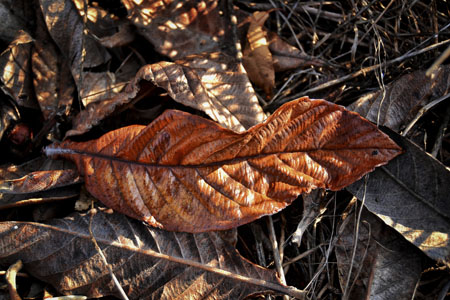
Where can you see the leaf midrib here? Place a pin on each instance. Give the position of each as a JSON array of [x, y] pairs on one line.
[[213, 164]]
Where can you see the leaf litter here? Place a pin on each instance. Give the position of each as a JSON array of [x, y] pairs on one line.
[[337, 52]]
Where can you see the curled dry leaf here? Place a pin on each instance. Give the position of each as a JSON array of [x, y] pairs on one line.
[[65, 26], [149, 263], [52, 79], [185, 173], [99, 21], [40, 181], [81, 51], [411, 194], [214, 83], [23, 185], [177, 28], [384, 265], [403, 98], [15, 70], [257, 58]]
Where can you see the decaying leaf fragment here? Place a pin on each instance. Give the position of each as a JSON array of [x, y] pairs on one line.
[[257, 58], [39, 181], [52, 79], [185, 173], [177, 28], [403, 98], [15, 70], [287, 57], [66, 27], [22, 185]]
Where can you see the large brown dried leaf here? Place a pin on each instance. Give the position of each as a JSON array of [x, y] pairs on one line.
[[186, 173], [411, 194], [383, 266], [214, 83], [148, 263], [403, 98]]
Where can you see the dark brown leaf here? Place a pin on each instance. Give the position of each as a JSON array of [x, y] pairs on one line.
[[403, 98], [13, 20], [52, 79], [80, 50], [384, 265], [178, 29], [186, 173], [214, 83], [65, 26], [411, 194], [15, 70], [148, 263]]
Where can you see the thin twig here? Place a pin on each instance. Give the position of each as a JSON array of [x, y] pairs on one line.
[[331, 245], [422, 111], [108, 266], [303, 255], [441, 132], [365, 71], [276, 252], [322, 13], [300, 47], [438, 61], [258, 235], [355, 242]]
